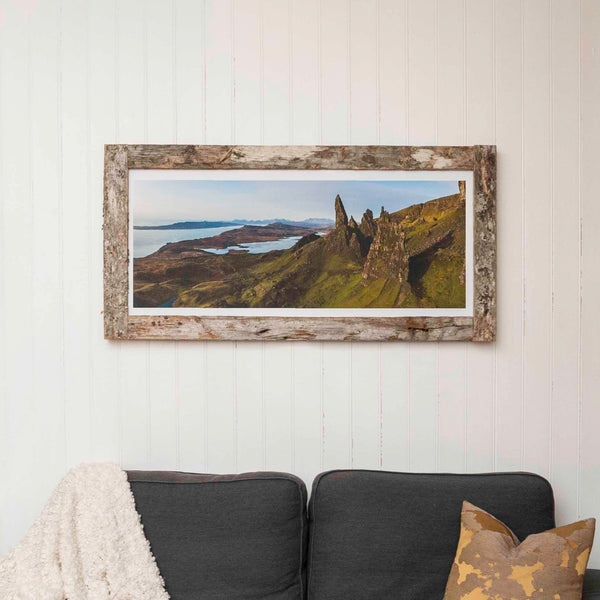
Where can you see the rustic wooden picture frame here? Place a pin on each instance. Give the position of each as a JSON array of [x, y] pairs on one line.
[[119, 324]]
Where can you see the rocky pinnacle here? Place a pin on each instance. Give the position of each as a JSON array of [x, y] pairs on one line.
[[368, 225], [341, 218]]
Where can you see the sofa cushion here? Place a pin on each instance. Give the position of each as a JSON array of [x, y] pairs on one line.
[[591, 585], [225, 536], [376, 535]]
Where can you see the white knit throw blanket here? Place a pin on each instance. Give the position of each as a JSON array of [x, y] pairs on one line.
[[87, 544]]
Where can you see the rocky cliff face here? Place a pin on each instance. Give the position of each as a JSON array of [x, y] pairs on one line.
[[382, 242], [387, 257], [378, 245]]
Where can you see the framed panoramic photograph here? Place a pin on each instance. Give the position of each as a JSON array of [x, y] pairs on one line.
[[300, 242]]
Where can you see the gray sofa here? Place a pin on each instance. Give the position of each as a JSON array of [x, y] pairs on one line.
[[367, 535]]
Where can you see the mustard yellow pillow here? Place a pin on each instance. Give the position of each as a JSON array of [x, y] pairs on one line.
[[491, 564]]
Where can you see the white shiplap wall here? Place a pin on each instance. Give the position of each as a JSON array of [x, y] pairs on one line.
[[76, 74]]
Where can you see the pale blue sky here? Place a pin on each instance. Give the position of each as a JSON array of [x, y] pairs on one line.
[[168, 201]]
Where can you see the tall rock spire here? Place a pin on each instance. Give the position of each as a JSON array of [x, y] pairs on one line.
[[341, 218], [368, 225], [387, 257]]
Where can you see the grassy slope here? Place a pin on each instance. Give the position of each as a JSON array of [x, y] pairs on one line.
[[442, 283]]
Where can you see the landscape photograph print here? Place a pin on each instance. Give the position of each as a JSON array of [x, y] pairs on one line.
[[297, 244]]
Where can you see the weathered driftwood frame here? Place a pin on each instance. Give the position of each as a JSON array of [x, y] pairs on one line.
[[119, 159]]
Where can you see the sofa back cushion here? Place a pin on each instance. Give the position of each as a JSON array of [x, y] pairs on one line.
[[225, 536], [376, 535]]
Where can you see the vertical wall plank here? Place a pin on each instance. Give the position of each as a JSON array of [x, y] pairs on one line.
[[335, 72], [132, 126], [5, 533], [307, 399], [363, 72], [565, 252], [189, 30], [451, 130], [219, 71], [104, 392], [393, 72], [537, 179], [509, 138], [479, 27], [305, 77], [162, 119], [278, 407], [220, 413], [421, 72], [159, 49], [480, 92], [19, 497], [191, 378], [452, 400], [366, 419], [47, 428], [249, 376], [74, 142], [589, 468], [395, 407], [450, 72], [131, 77], [337, 413], [248, 99], [276, 55], [422, 130], [163, 387], [423, 407]]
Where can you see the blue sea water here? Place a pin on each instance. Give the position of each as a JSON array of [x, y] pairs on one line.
[[147, 241], [258, 247]]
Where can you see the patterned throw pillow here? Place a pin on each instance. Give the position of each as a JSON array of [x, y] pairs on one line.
[[491, 564]]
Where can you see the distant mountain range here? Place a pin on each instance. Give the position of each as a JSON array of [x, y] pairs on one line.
[[315, 223], [187, 225]]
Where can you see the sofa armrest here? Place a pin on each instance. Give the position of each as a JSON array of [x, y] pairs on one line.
[[591, 585]]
